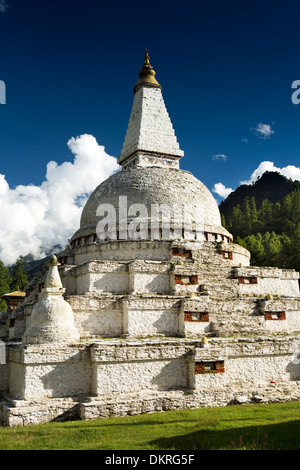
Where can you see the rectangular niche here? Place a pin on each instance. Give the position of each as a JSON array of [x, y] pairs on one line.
[[186, 280], [209, 367], [227, 255], [247, 280], [177, 251], [275, 316], [197, 317]]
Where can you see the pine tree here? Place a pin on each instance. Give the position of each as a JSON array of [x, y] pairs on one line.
[[295, 249], [253, 209], [247, 219], [287, 206], [285, 252], [236, 222], [266, 211], [255, 246], [258, 252], [223, 221], [5, 281], [277, 210], [295, 212], [270, 232], [19, 276], [273, 250], [242, 242]]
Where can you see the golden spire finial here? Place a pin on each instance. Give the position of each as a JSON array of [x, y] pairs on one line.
[[147, 75], [53, 261], [146, 57]]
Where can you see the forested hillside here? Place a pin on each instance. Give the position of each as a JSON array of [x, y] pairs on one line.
[[17, 280], [269, 227]]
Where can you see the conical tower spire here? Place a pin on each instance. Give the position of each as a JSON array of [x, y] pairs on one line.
[[150, 138], [147, 75]]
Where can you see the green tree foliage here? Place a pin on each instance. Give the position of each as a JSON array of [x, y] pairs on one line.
[[295, 248], [271, 185], [5, 281], [19, 275], [270, 231]]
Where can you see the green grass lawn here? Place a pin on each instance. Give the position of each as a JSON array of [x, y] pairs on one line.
[[248, 427]]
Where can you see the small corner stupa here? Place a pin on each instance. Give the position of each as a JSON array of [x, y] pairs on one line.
[[52, 319], [152, 306]]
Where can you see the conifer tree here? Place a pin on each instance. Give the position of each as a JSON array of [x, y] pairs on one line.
[[247, 218], [19, 276], [266, 211], [273, 250], [5, 281], [223, 221], [295, 249], [271, 232], [285, 252]]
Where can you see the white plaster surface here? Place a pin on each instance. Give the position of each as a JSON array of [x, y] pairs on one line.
[[150, 127]]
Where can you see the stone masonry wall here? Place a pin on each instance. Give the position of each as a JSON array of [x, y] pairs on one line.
[[40, 372]]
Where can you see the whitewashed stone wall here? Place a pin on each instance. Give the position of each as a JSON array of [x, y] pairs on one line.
[[96, 316], [149, 277], [249, 363], [234, 307], [37, 372], [118, 277], [197, 329], [240, 256], [138, 376], [142, 376], [152, 322], [134, 368], [124, 250], [151, 283], [102, 277], [273, 281], [270, 286], [137, 302], [149, 127], [293, 321], [151, 316]]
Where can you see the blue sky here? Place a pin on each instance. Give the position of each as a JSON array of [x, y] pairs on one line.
[[226, 70]]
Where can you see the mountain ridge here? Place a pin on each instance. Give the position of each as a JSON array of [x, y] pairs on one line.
[[271, 185]]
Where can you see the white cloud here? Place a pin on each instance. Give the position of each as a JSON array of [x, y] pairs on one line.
[[35, 218], [3, 6], [221, 190], [220, 156], [263, 131], [289, 171]]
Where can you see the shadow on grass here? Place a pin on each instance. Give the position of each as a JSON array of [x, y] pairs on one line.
[[282, 436]]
